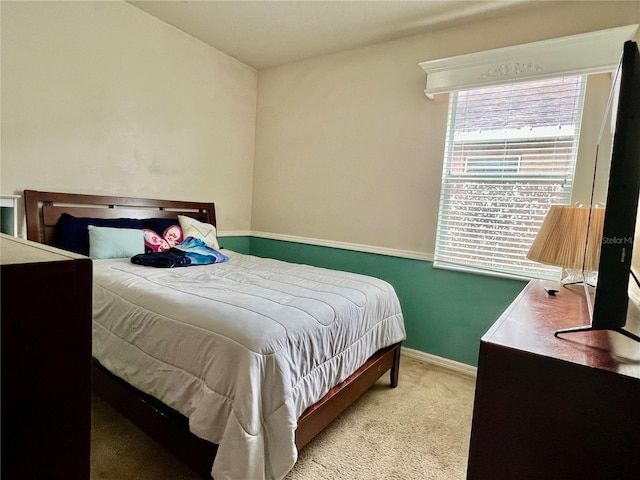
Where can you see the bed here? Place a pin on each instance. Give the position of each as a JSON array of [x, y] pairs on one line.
[[236, 364]]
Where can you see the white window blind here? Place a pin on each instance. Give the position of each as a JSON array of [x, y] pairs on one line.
[[510, 154]]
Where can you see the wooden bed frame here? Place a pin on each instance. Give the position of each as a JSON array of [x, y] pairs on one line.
[[165, 425]]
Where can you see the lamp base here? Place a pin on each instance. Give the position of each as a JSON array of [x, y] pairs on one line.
[[579, 277]]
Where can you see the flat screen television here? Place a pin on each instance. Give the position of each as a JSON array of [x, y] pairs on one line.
[[622, 127]]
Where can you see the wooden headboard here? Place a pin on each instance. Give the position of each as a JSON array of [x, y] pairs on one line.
[[43, 209]]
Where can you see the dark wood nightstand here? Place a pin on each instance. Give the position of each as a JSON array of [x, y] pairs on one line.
[[46, 361], [555, 408]]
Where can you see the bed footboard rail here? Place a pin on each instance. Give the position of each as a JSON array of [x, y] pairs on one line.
[[170, 428], [166, 426], [340, 397]]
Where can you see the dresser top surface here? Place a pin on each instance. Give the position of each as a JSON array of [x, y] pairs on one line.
[[14, 251], [531, 320]]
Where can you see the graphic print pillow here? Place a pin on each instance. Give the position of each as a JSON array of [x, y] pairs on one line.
[[155, 242]]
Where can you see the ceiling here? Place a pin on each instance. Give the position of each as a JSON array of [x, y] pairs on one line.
[[267, 33]]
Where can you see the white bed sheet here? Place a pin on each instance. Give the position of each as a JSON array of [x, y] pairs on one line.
[[241, 348]]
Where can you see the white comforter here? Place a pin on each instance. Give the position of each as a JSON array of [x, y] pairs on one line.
[[240, 348]]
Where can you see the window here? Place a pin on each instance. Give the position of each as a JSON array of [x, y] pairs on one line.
[[510, 154]]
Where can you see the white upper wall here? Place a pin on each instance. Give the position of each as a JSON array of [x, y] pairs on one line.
[[102, 98], [349, 149], [99, 97]]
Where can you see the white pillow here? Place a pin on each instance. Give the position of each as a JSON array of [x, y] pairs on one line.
[[110, 242], [203, 231]]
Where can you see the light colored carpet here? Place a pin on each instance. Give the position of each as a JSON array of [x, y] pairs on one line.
[[419, 430]]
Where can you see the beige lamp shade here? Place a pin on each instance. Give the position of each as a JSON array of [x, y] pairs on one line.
[[565, 234]]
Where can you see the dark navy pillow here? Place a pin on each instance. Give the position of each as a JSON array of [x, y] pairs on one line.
[[72, 233], [160, 224]]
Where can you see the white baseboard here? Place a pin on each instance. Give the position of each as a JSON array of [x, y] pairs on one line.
[[234, 233], [329, 243], [346, 246], [452, 365]]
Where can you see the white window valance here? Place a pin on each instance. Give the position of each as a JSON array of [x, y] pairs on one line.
[[587, 53]]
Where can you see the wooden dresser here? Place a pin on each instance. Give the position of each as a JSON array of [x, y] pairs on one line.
[[555, 408], [46, 361]]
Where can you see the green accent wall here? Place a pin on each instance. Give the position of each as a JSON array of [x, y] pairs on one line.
[[445, 312], [237, 244]]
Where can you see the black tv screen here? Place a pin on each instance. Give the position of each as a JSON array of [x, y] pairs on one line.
[[615, 267]]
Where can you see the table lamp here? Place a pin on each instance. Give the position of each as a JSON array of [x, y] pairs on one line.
[[570, 237]]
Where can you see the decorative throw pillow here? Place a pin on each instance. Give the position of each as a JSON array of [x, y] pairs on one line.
[[155, 242], [196, 229], [109, 242]]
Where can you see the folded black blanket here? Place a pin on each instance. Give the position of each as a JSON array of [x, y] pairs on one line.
[[167, 259], [191, 251]]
